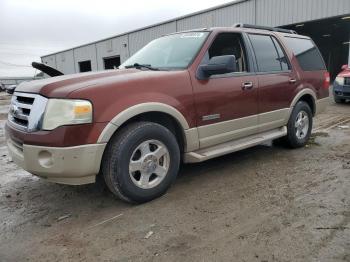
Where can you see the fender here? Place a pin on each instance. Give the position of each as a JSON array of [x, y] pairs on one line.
[[191, 134], [305, 91]]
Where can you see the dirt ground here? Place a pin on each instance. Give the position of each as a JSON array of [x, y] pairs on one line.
[[266, 203]]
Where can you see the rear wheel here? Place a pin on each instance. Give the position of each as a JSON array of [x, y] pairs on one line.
[[299, 125], [141, 162]]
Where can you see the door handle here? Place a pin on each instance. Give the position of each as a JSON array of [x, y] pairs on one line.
[[292, 80], [247, 85]]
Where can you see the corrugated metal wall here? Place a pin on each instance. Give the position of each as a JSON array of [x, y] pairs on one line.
[[239, 13], [196, 21], [117, 46], [139, 39], [85, 53], [50, 60], [261, 12], [65, 62], [284, 12]]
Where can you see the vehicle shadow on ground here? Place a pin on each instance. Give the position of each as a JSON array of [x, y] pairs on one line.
[[46, 202], [188, 172]]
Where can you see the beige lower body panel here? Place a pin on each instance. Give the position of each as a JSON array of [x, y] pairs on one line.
[[273, 119], [221, 132], [233, 146], [66, 165], [230, 136], [191, 138]]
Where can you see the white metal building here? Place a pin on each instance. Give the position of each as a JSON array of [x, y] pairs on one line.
[[326, 21]]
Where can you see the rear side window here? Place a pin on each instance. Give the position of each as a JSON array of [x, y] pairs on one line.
[[307, 54], [282, 57], [268, 53]]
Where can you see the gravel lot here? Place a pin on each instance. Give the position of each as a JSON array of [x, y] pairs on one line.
[[266, 203]]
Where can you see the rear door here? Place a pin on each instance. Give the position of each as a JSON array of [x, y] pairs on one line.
[[277, 81]]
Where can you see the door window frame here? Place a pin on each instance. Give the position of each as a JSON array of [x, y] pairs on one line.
[[248, 54], [290, 66]]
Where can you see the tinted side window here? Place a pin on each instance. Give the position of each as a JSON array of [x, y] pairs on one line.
[[282, 57], [265, 53], [228, 44], [307, 54]]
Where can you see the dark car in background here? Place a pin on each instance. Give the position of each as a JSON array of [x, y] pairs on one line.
[[341, 85]]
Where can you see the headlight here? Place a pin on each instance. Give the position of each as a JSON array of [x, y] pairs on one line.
[[339, 80], [61, 112]]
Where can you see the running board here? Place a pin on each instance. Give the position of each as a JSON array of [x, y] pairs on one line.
[[233, 146]]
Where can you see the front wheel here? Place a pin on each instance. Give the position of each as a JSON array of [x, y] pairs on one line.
[[141, 162], [299, 125]]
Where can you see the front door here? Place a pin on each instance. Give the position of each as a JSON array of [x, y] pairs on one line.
[[226, 104]]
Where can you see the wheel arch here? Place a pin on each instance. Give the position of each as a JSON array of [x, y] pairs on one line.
[[159, 113], [307, 95]]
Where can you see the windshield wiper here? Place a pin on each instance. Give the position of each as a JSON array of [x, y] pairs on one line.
[[139, 66]]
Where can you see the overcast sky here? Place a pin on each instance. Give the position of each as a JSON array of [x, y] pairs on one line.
[[32, 28]]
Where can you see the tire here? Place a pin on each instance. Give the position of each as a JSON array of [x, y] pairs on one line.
[[339, 100], [298, 137], [132, 155]]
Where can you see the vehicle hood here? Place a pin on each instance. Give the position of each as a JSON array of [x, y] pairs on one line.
[[62, 86], [50, 71], [345, 73]]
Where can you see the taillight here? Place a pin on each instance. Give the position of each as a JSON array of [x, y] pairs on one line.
[[327, 80]]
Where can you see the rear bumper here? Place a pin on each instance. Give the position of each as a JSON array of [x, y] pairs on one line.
[[321, 105], [66, 165]]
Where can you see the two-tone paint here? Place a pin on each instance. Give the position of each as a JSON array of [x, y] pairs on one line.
[[208, 112]]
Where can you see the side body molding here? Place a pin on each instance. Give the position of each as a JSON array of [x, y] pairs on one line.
[[190, 134]]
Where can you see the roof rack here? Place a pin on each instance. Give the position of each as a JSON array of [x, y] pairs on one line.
[[275, 29]]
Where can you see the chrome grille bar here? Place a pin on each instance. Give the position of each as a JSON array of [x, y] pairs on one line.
[[22, 105], [26, 111]]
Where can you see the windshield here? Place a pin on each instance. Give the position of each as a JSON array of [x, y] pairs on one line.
[[169, 52]]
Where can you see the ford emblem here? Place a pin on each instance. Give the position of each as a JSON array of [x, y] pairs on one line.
[[14, 110]]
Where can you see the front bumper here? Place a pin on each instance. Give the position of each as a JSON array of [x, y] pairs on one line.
[[74, 165], [341, 91]]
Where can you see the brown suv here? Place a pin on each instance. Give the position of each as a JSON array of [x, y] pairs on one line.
[[185, 97]]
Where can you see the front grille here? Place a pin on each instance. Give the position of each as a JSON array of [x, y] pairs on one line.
[[347, 81], [25, 100], [26, 111], [21, 106]]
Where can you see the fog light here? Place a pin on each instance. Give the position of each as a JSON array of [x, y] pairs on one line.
[[45, 159]]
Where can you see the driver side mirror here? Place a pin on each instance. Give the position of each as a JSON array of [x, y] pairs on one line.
[[345, 67], [217, 65]]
